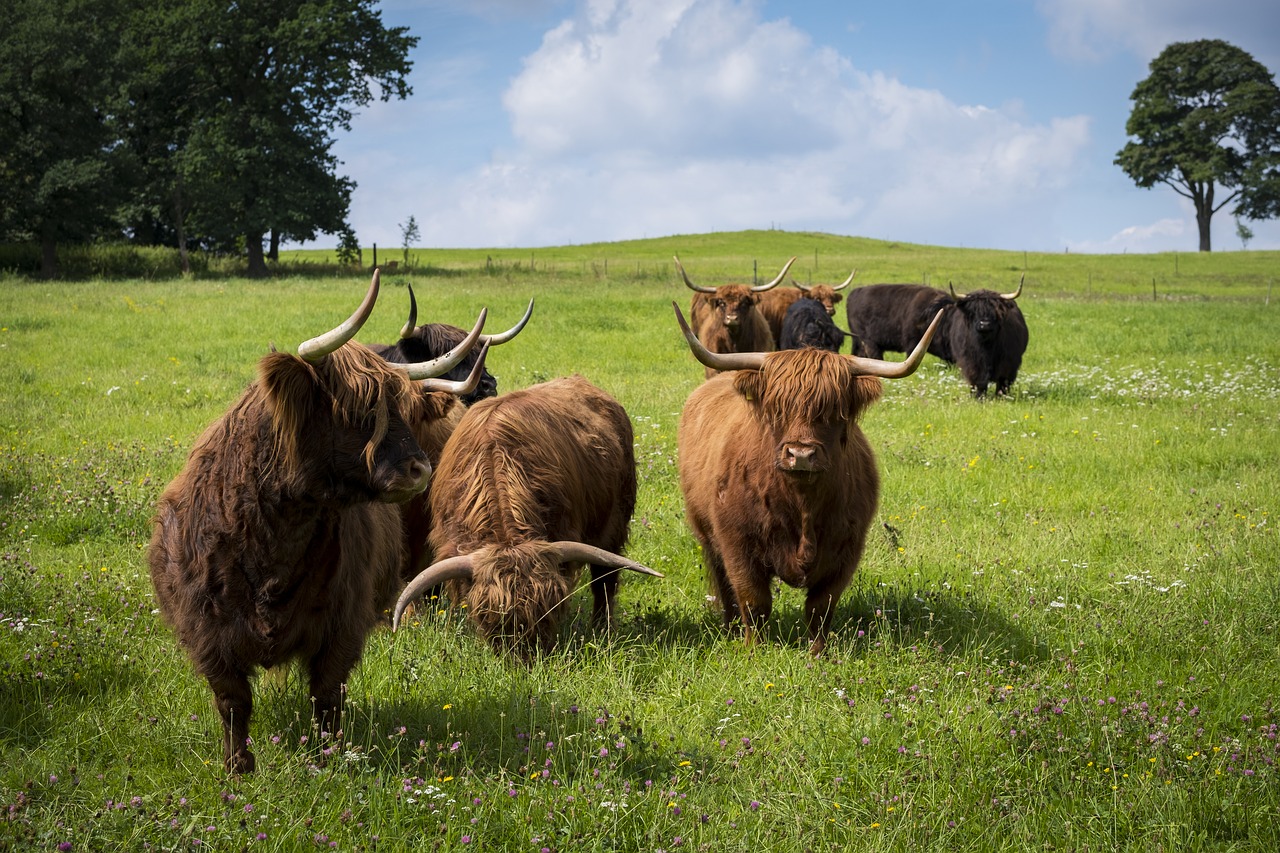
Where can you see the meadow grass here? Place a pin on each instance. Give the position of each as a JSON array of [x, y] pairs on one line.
[[1063, 634]]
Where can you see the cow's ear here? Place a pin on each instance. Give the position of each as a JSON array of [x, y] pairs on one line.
[[863, 391], [431, 405], [290, 386], [750, 384], [836, 297]]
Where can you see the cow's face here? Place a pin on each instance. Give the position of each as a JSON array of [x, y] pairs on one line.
[[827, 295], [810, 400], [516, 595], [341, 426], [983, 311], [434, 340], [732, 302]]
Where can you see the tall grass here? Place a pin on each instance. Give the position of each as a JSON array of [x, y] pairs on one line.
[[1063, 634]]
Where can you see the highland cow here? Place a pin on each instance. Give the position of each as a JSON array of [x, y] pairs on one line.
[[775, 303], [808, 324], [278, 540], [530, 486], [727, 318], [778, 479], [983, 332]]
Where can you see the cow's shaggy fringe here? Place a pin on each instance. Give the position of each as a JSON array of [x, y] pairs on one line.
[[368, 390], [810, 386]]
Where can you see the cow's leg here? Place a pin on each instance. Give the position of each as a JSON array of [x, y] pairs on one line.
[[604, 589], [755, 600], [233, 697], [819, 610], [724, 590], [329, 670]]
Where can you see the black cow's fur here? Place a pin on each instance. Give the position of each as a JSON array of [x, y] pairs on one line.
[[983, 332], [807, 324], [432, 340]]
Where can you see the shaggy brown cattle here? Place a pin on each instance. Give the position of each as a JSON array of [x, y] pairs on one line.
[[531, 485], [775, 303], [727, 318], [982, 332], [274, 542], [440, 413], [778, 479]]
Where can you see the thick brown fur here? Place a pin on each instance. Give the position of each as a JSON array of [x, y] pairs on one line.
[[273, 543], [551, 462], [729, 321], [755, 519], [438, 416]]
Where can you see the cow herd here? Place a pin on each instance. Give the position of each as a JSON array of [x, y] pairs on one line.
[[349, 480]]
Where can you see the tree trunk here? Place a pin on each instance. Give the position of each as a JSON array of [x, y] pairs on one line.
[[257, 264], [274, 252], [1204, 213], [48, 254]]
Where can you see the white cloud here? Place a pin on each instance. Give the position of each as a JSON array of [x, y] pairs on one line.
[[650, 117]]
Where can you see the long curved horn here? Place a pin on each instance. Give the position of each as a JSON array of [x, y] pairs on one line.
[[897, 369], [848, 281], [454, 568], [318, 347], [412, 322], [762, 287], [716, 360], [446, 362], [503, 337], [580, 552], [954, 295], [697, 287], [803, 287], [1017, 292], [466, 386]]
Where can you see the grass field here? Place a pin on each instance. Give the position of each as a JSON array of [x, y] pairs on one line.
[[1064, 633]]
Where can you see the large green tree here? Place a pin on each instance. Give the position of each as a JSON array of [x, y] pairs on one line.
[[1208, 116], [60, 161], [281, 76]]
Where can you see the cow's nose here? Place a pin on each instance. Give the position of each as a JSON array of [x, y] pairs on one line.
[[800, 458], [419, 472]]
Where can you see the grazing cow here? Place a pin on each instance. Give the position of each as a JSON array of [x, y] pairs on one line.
[[531, 485], [808, 324], [775, 303], [726, 317], [431, 340], [278, 540], [778, 479], [983, 332], [440, 413]]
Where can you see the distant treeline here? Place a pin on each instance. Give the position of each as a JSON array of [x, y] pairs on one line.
[[197, 125]]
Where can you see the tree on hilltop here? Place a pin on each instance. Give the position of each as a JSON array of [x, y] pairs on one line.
[[1208, 116]]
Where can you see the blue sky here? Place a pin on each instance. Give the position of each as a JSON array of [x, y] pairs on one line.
[[987, 124]]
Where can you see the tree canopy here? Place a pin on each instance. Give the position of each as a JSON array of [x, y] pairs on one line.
[[177, 121], [1208, 116]]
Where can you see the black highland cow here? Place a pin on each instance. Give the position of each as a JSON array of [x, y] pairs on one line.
[[983, 332], [807, 324]]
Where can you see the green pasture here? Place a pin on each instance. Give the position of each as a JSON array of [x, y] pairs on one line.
[[1063, 635]]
